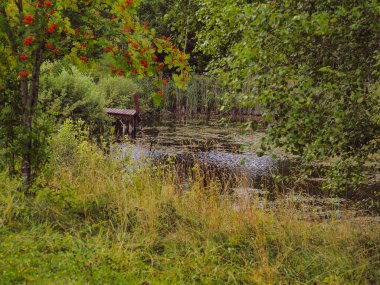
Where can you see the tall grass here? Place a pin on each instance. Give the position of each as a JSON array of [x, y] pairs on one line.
[[97, 220]]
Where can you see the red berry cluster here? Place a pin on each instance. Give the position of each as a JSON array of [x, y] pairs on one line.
[[24, 73], [28, 20], [50, 47], [24, 57], [144, 63], [52, 28], [28, 41]]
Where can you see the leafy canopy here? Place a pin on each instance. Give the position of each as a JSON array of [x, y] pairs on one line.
[[84, 31], [312, 66]]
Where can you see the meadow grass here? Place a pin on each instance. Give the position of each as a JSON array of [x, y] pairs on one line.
[[96, 220]]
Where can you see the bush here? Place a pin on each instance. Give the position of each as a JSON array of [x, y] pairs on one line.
[[72, 94], [118, 91]]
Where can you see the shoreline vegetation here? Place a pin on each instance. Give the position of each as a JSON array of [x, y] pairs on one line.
[[94, 220]]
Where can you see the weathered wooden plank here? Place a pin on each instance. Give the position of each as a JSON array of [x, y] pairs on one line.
[[120, 112]]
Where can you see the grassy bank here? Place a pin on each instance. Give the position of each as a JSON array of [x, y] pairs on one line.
[[94, 220]]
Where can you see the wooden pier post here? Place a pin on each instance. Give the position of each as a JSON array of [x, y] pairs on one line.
[[129, 118]]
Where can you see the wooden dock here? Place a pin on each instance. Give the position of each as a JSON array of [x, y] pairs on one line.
[[127, 119]]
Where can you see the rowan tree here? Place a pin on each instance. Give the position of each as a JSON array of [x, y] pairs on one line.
[[83, 31]]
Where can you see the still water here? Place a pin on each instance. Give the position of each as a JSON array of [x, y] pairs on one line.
[[225, 148], [225, 152], [192, 135]]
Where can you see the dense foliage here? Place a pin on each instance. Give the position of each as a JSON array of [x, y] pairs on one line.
[[177, 19], [72, 95], [311, 66]]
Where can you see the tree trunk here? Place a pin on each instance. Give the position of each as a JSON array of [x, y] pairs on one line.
[[27, 130], [29, 92]]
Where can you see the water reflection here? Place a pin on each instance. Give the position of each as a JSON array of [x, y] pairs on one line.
[[190, 135]]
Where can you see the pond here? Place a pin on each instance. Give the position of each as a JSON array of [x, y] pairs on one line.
[[228, 154], [223, 150], [180, 135]]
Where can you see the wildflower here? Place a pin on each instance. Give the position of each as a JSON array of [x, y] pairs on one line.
[[48, 3]]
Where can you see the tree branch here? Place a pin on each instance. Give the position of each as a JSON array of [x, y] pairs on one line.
[[9, 32], [34, 85], [19, 6]]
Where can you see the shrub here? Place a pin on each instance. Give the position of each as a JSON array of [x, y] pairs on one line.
[[72, 94], [118, 91]]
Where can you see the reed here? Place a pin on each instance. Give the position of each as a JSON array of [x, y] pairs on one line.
[[203, 96]]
